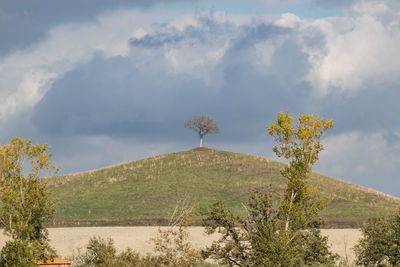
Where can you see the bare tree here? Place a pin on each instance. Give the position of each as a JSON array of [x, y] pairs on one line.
[[202, 125]]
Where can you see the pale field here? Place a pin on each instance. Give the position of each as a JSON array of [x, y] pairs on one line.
[[68, 241]]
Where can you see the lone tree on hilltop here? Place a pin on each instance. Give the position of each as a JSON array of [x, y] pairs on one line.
[[202, 125]]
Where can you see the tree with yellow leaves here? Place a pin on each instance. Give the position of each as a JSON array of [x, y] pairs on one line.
[[25, 205], [281, 233]]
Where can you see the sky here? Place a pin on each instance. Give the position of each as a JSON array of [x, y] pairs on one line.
[[104, 82]]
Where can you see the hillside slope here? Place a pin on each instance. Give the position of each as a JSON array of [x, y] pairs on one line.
[[146, 191]]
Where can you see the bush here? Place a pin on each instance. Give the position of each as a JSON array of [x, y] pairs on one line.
[[313, 249], [17, 253], [259, 239], [172, 247], [101, 252], [380, 244], [172, 244]]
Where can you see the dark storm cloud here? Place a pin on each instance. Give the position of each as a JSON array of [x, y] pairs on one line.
[[24, 22], [112, 97], [134, 104], [119, 101], [370, 110]]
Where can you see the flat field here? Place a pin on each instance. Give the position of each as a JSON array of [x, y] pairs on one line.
[[68, 241]]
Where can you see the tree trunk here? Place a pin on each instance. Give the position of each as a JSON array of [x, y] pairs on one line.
[[201, 141]]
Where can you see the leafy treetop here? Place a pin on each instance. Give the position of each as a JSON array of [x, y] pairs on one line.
[[272, 233], [25, 203], [202, 125]]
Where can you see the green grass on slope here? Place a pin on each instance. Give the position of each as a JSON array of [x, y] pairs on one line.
[[146, 191]]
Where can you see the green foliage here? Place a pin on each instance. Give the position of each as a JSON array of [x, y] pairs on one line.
[[172, 244], [313, 249], [172, 247], [300, 146], [256, 240], [25, 202], [380, 244], [239, 235], [275, 234], [101, 252], [17, 253]]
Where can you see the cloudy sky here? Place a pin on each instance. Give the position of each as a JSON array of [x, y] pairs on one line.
[[109, 81]]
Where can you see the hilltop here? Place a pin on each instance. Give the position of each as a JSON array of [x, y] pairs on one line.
[[145, 192]]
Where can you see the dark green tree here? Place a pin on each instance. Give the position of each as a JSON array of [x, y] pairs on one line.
[[278, 231], [380, 242], [25, 204]]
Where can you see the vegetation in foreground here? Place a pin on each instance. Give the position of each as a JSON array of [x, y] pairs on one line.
[[101, 252], [283, 233], [172, 247], [25, 203], [380, 244]]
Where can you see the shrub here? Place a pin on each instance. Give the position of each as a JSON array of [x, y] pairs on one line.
[[172, 245], [380, 242], [101, 252], [258, 238]]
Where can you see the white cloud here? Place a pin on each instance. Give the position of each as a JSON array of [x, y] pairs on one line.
[[361, 52], [195, 60], [345, 54], [288, 20], [25, 76], [351, 58]]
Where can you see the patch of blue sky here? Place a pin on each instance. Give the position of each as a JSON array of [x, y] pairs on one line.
[[240, 7]]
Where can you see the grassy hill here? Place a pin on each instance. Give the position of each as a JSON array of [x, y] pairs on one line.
[[146, 191]]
